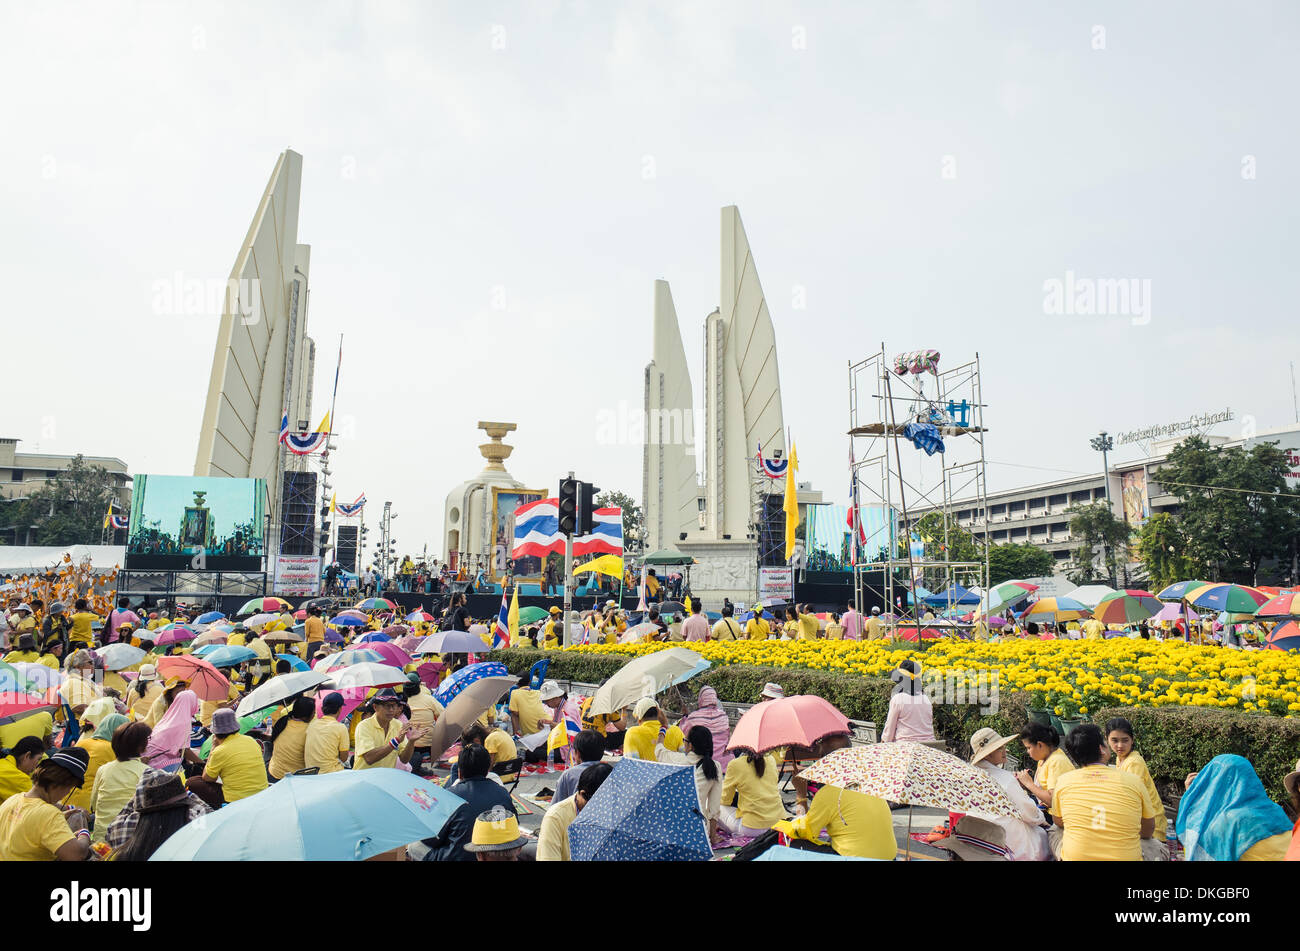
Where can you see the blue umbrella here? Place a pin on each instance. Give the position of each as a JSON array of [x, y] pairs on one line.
[[347, 620], [642, 812], [749, 616], [347, 815], [228, 656], [296, 663], [205, 650], [783, 853], [210, 618], [466, 676], [374, 636]]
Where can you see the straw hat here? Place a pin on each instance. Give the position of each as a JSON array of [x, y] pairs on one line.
[[985, 741], [976, 840], [496, 830]]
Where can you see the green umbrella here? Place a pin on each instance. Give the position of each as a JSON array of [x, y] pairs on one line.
[[531, 615], [668, 556]]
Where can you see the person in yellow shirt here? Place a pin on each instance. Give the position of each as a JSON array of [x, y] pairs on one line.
[[874, 628], [528, 712], [751, 783], [553, 837], [1044, 747], [651, 586], [24, 653], [757, 628], [980, 630], [381, 738], [726, 628], [235, 768], [858, 825], [18, 764], [834, 629], [142, 693], [52, 656], [808, 624], [39, 725], [33, 825], [208, 707], [82, 634], [652, 728], [313, 631], [1095, 789], [98, 724], [1120, 739], [327, 743], [289, 739], [1092, 629], [22, 621]]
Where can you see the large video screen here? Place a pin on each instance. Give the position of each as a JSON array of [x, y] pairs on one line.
[[196, 523]]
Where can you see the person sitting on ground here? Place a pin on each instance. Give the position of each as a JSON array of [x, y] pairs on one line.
[[1226, 815], [327, 744], [496, 836], [1096, 789], [1025, 836], [116, 782], [1043, 745], [709, 714], [697, 752], [750, 782], [235, 769], [726, 628], [1120, 739], [33, 825], [425, 711], [162, 807], [652, 728], [553, 838], [289, 739], [532, 714], [79, 690], [172, 719], [611, 726], [588, 750], [480, 793], [17, 765], [911, 714], [99, 722], [857, 824], [52, 655], [381, 738], [24, 652]]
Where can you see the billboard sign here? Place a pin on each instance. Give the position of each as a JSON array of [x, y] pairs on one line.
[[297, 575], [775, 583], [504, 503], [1134, 495], [196, 523], [1288, 442]]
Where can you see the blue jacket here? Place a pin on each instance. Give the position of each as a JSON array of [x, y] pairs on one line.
[[480, 795]]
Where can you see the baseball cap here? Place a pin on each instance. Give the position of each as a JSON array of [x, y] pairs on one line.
[[644, 706]]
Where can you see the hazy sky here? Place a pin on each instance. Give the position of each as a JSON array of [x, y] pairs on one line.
[[491, 189]]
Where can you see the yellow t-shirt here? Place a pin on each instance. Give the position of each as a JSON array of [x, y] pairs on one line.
[[1137, 766], [834, 632], [501, 746], [114, 786], [40, 725], [641, 739], [81, 631], [533, 714], [808, 627], [726, 629], [313, 630], [31, 830], [424, 713], [326, 739], [371, 736], [757, 629], [22, 657], [1272, 849], [1051, 770], [12, 779], [874, 628], [1092, 628], [858, 824], [49, 660], [288, 755], [78, 691], [101, 752], [553, 840], [758, 801], [1102, 808], [238, 763]]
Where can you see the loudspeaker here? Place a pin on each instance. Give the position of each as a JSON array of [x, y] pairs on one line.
[[298, 514], [346, 552]]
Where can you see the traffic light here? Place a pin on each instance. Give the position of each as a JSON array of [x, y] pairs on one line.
[[586, 506], [568, 502]]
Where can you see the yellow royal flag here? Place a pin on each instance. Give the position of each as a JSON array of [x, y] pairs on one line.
[[687, 605], [558, 738], [333, 502], [324, 426], [513, 617], [791, 506], [611, 565]]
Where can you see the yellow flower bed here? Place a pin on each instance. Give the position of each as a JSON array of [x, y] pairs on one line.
[[1072, 675]]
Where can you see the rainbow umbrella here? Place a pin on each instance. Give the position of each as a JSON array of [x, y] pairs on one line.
[[1058, 609], [1235, 598], [258, 605], [1283, 605], [1126, 607], [1008, 592], [1178, 590], [1284, 637], [376, 604], [420, 616]]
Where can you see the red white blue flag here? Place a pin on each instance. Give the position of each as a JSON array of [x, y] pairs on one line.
[[501, 631], [537, 532], [773, 469], [301, 444]]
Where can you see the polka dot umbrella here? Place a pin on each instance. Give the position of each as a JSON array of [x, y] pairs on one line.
[[642, 812]]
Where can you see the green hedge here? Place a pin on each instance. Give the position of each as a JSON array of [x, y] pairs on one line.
[[1174, 741]]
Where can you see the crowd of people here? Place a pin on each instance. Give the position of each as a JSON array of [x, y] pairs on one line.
[[128, 756]]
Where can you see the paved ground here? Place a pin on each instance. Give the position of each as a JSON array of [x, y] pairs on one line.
[[531, 808]]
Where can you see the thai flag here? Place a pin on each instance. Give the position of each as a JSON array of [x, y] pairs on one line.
[[771, 469], [856, 527], [606, 536], [350, 509], [302, 444], [118, 522], [537, 532], [501, 632]]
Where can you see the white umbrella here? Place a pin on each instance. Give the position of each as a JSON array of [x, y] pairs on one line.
[[637, 631], [279, 689], [647, 676], [367, 674], [1090, 595], [119, 656]]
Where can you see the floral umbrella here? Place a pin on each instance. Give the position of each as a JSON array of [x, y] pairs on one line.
[[914, 774]]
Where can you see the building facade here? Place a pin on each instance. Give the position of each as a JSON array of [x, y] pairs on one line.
[[22, 474]]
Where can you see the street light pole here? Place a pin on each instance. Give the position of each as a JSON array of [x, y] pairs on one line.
[[1103, 444]]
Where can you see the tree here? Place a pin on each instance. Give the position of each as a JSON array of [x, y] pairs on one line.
[[633, 521], [1097, 526], [952, 544], [69, 509], [1163, 547], [1018, 561], [1236, 508]]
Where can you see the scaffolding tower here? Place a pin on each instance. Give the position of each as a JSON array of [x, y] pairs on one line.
[[891, 473]]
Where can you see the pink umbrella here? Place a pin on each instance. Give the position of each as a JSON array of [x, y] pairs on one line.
[[431, 674], [792, 721], [409, 642], [1170, 612], [353, 697], [396, 630], [393, 655], [175, 634]]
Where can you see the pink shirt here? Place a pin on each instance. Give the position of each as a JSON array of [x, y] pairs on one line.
[[911, 717], [852, 625], [696, 628]]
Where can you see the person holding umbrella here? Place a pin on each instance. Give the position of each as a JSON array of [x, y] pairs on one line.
[[553, 838], [380, 736]]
